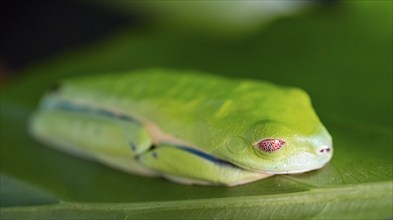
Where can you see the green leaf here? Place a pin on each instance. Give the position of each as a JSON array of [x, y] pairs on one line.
[[360, 201], [342, 57], [15, 193]]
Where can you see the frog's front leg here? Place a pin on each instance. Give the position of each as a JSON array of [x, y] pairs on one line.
[[111, 140], [191, 166]]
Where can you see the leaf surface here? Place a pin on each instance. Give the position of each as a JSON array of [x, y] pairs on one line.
[[333, 54]]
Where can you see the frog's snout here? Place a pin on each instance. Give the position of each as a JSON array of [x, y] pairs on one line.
[[324, 150]]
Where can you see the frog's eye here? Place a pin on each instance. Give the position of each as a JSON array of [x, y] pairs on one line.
[[270, 145]]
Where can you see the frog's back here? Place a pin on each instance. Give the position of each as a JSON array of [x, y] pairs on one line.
[[197, 108]]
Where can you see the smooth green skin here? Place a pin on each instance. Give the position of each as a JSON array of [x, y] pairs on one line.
[[222, 117]]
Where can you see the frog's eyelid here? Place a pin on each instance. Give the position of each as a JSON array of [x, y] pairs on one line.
[[270, 145]]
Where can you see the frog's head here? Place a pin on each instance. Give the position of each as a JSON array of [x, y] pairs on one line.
[[284, 149], [289, 139]]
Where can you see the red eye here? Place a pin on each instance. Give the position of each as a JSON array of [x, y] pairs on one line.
[[270, 145]]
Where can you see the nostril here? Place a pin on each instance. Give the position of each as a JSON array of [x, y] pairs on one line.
[[323, 150]]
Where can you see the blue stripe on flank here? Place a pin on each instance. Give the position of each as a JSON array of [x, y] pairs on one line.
[[68, 106], [205, 155]]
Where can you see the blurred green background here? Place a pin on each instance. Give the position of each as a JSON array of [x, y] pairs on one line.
[[340, 52]]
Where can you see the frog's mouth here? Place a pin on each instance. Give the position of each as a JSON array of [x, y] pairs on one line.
[[300, 162]]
